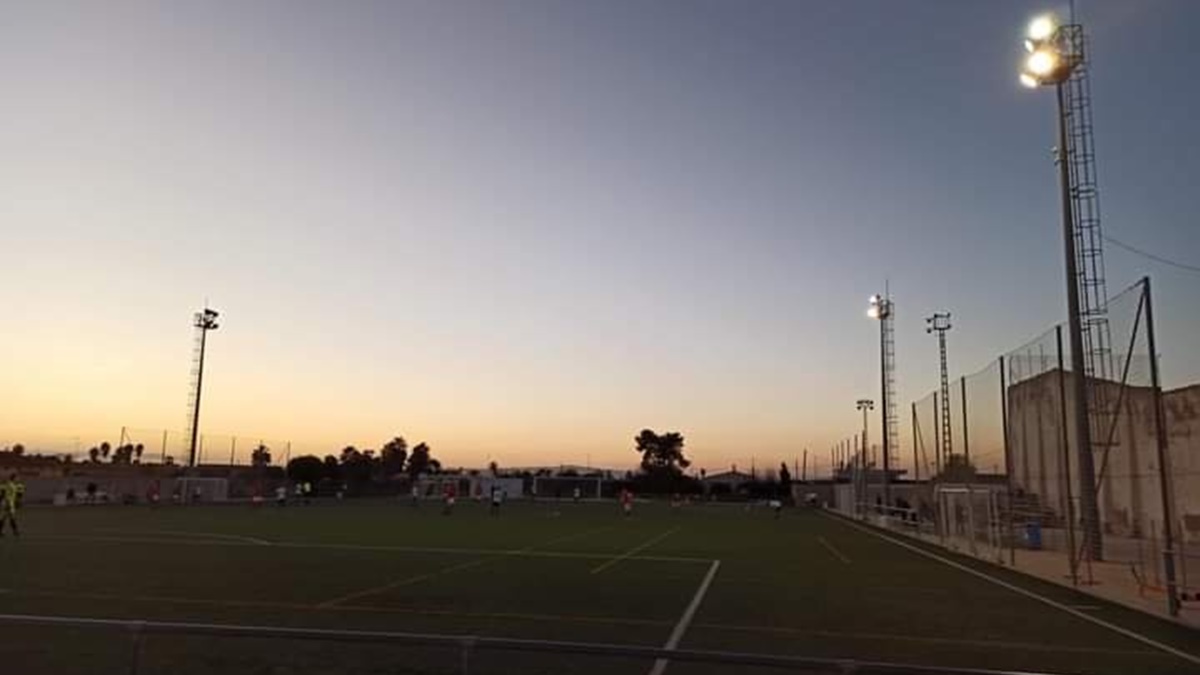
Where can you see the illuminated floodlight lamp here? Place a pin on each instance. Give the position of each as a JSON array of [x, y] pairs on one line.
[[1042, 27]]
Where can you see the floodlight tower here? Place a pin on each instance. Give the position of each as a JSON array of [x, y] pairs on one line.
[[883, 309], [865, 405], [1056, 57], [203, 321], [940, 323]]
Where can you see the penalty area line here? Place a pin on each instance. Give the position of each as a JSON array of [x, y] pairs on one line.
[[408, 581], [633, 551]]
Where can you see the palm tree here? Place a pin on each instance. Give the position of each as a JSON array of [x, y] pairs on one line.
[[261, 456], [137, 453], [94, 454], [105, 448]]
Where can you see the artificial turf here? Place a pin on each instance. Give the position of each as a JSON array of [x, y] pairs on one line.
[[805, 584]]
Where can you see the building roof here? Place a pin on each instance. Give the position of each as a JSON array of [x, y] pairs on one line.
[[729, 477]]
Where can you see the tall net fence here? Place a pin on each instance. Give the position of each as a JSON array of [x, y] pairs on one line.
[[1035, 387], [1015, 476], [158, 446], [144, 445], [925, 437], [983, 422]]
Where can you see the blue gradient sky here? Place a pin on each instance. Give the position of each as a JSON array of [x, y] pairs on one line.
[[525, 230]]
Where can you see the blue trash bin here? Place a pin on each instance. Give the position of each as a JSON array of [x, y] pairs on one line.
[[1033, 536]]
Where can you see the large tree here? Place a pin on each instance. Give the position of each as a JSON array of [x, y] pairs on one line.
[[333, 471], [392, 456], [419, 460], [356, 465], [662, 454], [305, 469]]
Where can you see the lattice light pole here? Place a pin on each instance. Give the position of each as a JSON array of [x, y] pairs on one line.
[[203, 321], [1056, 57], [883, 309], [940, 323]]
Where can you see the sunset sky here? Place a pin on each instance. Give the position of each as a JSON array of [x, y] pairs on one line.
[[523, 230]]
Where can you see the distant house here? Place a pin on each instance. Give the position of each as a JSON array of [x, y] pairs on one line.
[[728, 481]]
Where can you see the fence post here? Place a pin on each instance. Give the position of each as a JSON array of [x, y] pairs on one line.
[[937, 437], [1008, 469], [136, 633], [1165, 477], [1066, 454], [962, 382], [916, 457], [1183, 555]]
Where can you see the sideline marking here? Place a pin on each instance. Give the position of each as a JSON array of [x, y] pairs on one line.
[[193, 535], [1027, 593], [51, 538], [660, 665], [836, 553], [369, 609], [921, 639], [631, 552], [518, 616]]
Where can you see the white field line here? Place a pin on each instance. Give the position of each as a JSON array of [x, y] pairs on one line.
[[408, 581], [921, 639], [368, 609], [528, 552], [836, 553], [660, 665], [193, 535], [1027, 593], [561, 540], [621, 621], [633, 551]]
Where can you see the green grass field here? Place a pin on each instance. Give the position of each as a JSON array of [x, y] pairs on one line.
[[806, 584]]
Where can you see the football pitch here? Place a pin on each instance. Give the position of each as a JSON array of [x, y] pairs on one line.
[[699, 577]]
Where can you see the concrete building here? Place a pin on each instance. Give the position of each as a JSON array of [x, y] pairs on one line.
[[1045, 462]]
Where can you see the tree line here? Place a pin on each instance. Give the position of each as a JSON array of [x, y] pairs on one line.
[[359, 467]]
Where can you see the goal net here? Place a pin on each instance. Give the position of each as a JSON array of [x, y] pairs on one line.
[[969, 520], [564, 487], [202, 490]]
